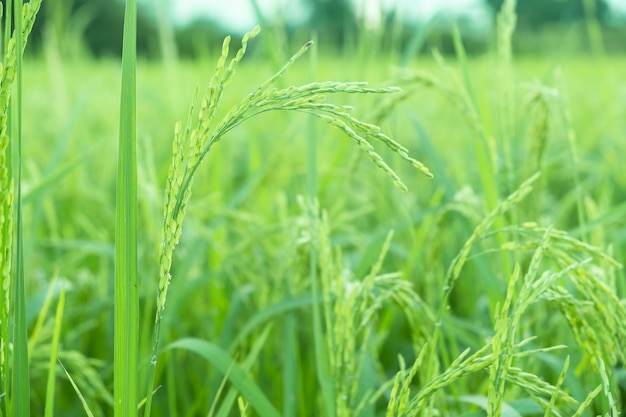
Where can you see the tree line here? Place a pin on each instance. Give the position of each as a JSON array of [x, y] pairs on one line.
[[95, 26]]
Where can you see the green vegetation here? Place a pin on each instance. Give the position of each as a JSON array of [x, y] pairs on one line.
[[96, 27], [241, 257]]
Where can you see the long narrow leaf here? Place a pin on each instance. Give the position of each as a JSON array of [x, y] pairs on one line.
[[20, 376], [126, 351], [251, 359], [322, 362], [49, 408], [80, 394], [225, 364]]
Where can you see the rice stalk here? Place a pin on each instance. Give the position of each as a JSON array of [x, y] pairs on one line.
[[322, 267], [509, 320], [564, 246], [402, 403], [401, 391], [557, 389], [541, 391], [459, 92], [350, 307], [507, 325], [594, 29], [193, 142], [587, 402], [15, 384], [593, 306], [584, 296], [317, 251], [461, 366], [582, 292], [20, 373], [538, 105], [454, 270], [575, 159]]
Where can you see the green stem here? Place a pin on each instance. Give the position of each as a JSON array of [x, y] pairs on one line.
[[321, 355]]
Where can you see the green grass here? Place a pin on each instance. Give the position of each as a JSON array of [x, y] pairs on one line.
[[126, 299], [303, 282]]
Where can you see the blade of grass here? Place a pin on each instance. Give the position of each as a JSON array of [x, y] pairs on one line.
[[594, 30], [485, 160], [321, 355], [572, 141], [224, 363], [170, 369], [248, 362], [126, 333], [218, 394], [80, 394], [37, 330], [282, 307], [49, 407], [290, 366], [7, 25], [20, 382]]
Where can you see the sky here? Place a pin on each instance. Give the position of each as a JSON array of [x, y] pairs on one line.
[[239, 15]]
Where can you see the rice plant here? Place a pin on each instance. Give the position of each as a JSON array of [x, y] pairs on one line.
[[14, 367], [304, 283], [193, 142]]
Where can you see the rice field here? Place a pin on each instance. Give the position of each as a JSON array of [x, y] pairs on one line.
[[446, 240]]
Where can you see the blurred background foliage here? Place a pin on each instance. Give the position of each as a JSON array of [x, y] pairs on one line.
[[93, 27]]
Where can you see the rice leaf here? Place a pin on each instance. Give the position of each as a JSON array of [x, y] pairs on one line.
[[226, 364], [126, 315]]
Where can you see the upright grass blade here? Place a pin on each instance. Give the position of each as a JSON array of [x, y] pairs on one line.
[[225, 364], [84, 403], [486, 160], [20, 377], [572, 141], [6, 232], [594, 30], [126, 333], [248, 362], [321, 355], [49, 408], [290, 368]]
